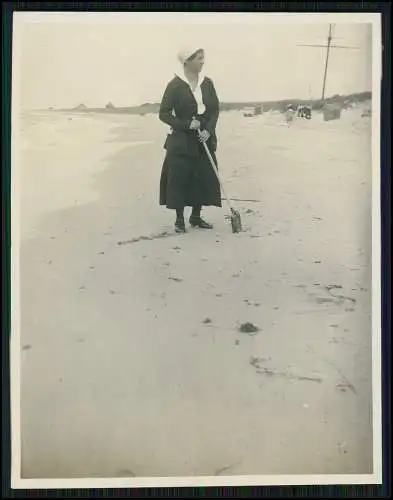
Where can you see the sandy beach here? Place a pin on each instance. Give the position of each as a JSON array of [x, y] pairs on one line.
[[132, 362]]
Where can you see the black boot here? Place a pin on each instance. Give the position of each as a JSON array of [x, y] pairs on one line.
[[180, 226], [197, 221]]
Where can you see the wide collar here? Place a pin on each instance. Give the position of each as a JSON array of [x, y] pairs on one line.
[[201, 79], [197, 92]]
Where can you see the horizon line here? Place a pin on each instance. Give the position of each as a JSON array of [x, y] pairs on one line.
[[238, 103]]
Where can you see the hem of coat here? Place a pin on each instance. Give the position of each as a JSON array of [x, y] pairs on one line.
[[170, 207]]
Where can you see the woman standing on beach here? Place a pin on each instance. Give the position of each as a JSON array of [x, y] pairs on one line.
[[190, 107]]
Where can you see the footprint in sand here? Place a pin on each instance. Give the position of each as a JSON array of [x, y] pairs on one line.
[[249, 303], [336, 340], [173, 278], [345, 386], [332, 297], [258, 362], [325, 300]]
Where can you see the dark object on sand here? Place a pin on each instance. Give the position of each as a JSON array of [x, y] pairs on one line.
[[331, 112], [304, 112], [248, 328], [236, 221], [258, 110]]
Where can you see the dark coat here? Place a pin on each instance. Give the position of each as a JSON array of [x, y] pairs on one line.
[[187, 177]]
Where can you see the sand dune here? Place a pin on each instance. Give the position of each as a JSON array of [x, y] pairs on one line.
[[132, 358]]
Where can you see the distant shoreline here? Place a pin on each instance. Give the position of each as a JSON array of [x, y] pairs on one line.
[[153, 108]]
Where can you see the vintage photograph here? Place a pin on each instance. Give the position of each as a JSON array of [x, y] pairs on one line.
[[193, 227]]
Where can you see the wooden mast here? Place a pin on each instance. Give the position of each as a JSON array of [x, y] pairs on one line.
[[329, 41], [328, 46]]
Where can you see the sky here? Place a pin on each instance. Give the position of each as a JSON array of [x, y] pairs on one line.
[[128, 60]]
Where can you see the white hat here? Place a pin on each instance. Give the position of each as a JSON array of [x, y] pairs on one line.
[[186, 53]]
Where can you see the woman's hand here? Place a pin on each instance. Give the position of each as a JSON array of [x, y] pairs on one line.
[[204, 136], [195, 124]]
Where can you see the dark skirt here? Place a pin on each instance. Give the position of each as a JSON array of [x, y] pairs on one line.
[[188, 180]]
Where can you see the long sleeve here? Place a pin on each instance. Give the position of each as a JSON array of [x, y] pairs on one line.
[[214, 110], [166, 111]]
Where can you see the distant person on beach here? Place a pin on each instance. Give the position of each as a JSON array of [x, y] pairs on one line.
[[289, 114], [190, 106]]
